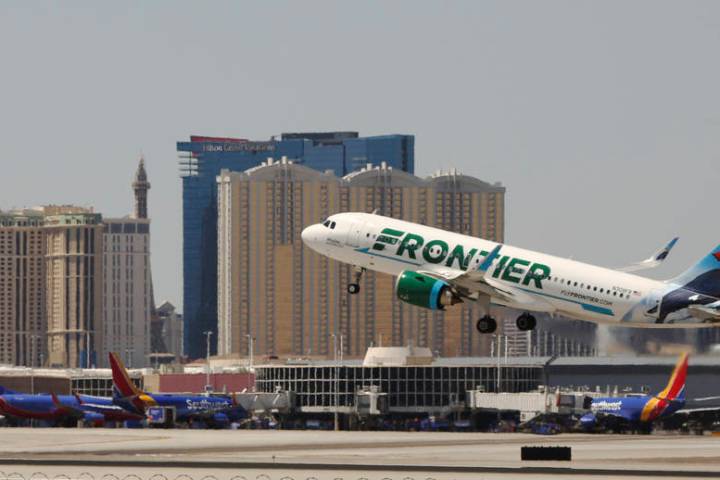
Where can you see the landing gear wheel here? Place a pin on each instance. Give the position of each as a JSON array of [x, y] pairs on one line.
[[525, 322], [486, 324], [354, 288]]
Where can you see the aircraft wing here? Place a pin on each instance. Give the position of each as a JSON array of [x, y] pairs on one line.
[[606, 416], [475, 284], [654, 260], [689, 411], [66, 410]]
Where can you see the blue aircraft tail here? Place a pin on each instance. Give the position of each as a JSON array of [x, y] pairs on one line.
[[704, 276], [6, 391]]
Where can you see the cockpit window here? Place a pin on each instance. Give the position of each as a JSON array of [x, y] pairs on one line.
[[332, 225], [326, 223]]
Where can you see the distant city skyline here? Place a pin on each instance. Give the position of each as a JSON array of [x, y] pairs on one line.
[[601, 118]]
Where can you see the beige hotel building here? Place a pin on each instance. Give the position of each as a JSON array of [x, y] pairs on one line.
[[291, 300], [74, 286]]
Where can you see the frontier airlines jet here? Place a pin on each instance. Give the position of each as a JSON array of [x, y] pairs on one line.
[[436, 268]]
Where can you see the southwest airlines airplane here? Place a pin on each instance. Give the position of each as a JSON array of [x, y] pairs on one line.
[[62, 409], [213, 410], [436, 268], [639, 411]]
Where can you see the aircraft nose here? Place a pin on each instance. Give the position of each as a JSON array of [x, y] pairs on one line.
[[311, 235]]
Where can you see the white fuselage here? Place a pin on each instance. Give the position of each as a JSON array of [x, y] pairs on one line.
[[569, 287]]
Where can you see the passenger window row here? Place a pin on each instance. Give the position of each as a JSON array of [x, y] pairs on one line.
[[571, 283]]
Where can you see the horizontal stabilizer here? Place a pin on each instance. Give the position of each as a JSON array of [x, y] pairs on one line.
[[709, 313]]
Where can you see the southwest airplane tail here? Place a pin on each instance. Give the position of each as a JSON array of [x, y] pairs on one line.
[[675, 389], [124, 390], [672, 398], [121, 380]]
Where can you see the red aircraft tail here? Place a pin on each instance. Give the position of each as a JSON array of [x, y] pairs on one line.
[[675, 388], [121, 380]]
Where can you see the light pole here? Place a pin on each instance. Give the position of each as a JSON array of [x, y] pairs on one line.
[[498, 378], [336, 382], [87, 348], [208, 334], [250, 348]]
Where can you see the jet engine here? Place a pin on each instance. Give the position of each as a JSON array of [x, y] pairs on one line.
[[219, 420], [94, 418], [424, 291]]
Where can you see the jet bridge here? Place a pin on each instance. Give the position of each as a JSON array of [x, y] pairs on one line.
[[280, 401], [530, 404]]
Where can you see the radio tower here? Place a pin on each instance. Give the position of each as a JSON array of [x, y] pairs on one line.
[[141, 187]]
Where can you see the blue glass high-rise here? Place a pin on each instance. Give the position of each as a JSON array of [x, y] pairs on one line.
[[201, 160]]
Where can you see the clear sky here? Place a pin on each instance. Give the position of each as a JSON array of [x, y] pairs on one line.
[[602, 118]]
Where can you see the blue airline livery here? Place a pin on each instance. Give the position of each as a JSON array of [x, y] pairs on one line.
[[639, 411], [63, 409], [213, 410]]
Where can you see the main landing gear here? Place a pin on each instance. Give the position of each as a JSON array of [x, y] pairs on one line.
[[525, 322], [486, 324], [354, 288]]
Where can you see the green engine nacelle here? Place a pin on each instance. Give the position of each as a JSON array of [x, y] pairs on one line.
[[424, 291]]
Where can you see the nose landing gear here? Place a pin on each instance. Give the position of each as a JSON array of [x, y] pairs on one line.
[[525, 322], [354, 288]]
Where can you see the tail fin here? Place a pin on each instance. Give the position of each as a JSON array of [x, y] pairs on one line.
[[675, 389], [704, 276], [121, 380]]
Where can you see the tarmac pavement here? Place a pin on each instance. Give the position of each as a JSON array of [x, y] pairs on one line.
[[289, 454]]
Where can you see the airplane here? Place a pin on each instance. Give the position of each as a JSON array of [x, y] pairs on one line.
[[212, 410], [638, 412], [436, 269], [62, 410]]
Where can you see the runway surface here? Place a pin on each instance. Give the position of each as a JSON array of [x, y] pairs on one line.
[[251, 454]]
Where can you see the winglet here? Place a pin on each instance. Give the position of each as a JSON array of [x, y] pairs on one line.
[[654, 260], [490, 259], [662, 254]]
